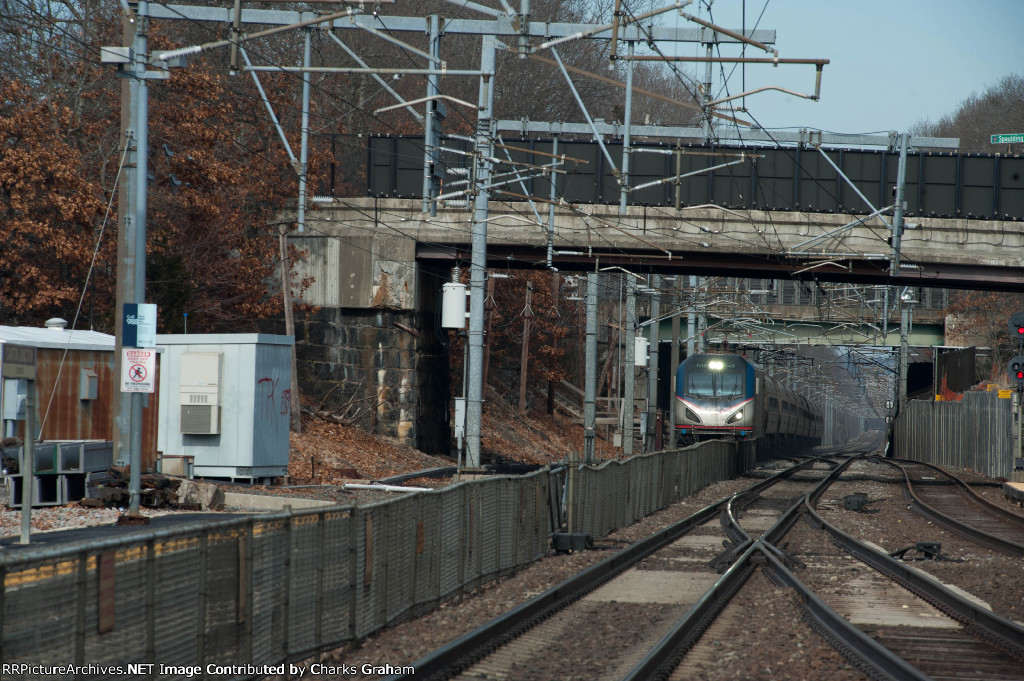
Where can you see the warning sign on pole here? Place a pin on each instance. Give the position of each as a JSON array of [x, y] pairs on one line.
[[138, 370]]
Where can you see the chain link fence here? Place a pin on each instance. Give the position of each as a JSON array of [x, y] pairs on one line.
[[619, 493], [235, 596]]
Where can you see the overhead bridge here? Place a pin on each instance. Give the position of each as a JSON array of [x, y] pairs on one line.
[[774, 212], [387, 235]]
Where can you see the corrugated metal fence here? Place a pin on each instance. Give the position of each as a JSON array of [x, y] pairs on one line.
[[278, 588], [975, 433]]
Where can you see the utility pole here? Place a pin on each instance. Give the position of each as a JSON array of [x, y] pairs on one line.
[[133, 60], [432, 123], [627, 402], [702, 318], [627, 122], [484, 148], [900, 205], [652, 363], [590, 366], [525, 357], [673, 370], [706, 95], [691, 319], [894, 269], [131, 239], [488, 320], [905, 321], [295, 417]]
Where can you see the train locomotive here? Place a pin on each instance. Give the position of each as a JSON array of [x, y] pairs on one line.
[[725, 395]]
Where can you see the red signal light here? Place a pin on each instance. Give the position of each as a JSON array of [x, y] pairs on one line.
[[1020, 330], [1015, 369]]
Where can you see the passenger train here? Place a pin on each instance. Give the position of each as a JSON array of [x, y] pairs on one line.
[[725, 395]]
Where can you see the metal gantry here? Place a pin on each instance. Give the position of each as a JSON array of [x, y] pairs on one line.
[[501, 29]]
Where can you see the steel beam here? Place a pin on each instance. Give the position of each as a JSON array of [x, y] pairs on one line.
[[804, 137], [875, 272], [500, 27]]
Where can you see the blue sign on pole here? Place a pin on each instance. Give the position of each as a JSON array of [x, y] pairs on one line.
[[139, 325]]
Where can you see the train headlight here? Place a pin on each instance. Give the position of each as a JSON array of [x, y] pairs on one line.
[[691, 416], [736, 417]]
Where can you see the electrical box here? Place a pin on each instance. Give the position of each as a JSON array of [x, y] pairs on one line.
[[570, 542], [88, 385], [640, 345], [453, 306], [460, 417], [15, 394], [200, 393]]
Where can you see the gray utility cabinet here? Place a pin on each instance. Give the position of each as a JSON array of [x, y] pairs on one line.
[[225, 400]]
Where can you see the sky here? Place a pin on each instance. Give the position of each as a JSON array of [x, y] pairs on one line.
[[893, 63]]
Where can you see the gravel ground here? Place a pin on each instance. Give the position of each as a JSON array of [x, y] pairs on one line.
[[733, 648], [73, 516], [52, 518], [995, 578]]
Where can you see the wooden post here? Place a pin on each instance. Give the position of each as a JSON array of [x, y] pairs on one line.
[[295, 421], [524, 358], [606, 370]]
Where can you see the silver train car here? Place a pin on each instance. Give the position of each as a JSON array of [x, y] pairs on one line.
[[725, 395]]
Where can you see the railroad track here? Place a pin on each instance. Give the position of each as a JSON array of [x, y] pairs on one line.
[[948, 501], [641, 591], [887, 619], [941, 633]]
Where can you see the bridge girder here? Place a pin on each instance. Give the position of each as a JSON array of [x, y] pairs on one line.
[[935, 252]]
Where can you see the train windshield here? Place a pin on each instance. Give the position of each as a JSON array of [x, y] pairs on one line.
[[725, 381]]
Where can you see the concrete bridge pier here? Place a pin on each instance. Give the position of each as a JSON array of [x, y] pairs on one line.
[[370, 350]]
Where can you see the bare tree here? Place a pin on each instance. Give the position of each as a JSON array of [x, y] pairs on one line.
[[999, 109]]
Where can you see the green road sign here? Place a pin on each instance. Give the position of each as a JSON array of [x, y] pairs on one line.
[[1007, 138]]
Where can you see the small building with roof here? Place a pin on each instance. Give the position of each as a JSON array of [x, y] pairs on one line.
[[76, 391]]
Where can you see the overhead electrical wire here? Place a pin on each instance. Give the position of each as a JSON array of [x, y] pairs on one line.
[[601, 236]]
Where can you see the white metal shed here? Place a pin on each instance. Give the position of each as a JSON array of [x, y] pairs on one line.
[[225, 400]]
